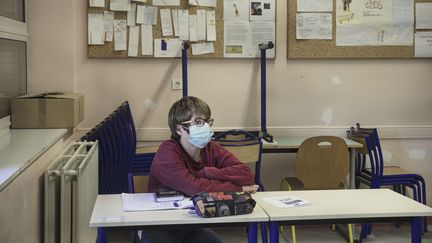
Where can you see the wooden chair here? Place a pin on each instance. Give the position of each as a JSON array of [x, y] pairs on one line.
[[321, 163]]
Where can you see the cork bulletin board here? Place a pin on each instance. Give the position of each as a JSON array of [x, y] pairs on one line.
[[107, 49], [308, 48]]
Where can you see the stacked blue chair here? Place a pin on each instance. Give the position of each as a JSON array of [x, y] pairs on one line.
[[117, 145], [233, 140], [378, 175]]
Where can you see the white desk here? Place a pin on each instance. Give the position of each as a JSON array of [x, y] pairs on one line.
[[290, 144], [20, 147], [108, 212], [345, 206]]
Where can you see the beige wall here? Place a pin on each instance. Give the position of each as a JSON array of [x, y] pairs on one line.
[[304, 96]]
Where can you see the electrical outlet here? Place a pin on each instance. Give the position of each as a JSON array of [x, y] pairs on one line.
[[177, 84]]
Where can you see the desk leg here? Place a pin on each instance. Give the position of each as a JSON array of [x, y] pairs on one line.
[[416, 230], [352, 174], [253, 233], [102, 235], [274, 232]]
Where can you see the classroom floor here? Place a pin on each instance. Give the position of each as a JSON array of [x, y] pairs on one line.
[[383, 233]]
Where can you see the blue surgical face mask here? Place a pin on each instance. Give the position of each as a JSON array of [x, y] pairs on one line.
[[200, 136]]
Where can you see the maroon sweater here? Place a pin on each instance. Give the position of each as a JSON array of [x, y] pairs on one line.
[[218, 170]]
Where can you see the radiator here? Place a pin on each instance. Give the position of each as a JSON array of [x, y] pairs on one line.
[[71, 187]]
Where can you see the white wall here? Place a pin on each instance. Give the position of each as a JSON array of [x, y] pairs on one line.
[[304, 96]]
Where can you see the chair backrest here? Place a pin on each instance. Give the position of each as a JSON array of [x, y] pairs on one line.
[[245, 146], [322, 162], [138, 183]]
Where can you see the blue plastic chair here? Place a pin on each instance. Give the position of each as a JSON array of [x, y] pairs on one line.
[[375, 177], [234, 141]]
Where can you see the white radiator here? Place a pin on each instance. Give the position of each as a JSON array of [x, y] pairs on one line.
[[71, 187]]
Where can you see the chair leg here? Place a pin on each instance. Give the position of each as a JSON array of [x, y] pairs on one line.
[[264, 232], [350, 233], [293, 234]]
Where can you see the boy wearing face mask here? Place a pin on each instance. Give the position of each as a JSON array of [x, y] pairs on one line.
[[191, 163]]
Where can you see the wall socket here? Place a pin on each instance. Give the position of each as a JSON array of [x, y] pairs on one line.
[[176, 84]]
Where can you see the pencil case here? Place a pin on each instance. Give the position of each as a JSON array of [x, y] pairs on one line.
[[219, 204]]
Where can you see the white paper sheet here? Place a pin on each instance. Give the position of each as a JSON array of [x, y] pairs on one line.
[[201, 24], [167, 47], [131, 15], [174, 13], [96, 29], [203, 3], [147, 39], [183, 22], [262, 33], [262, 10], [202, 48], [237, 39], [423, 44], [384, 22], [146, 15], [211, 25], [236, 10], [120, 5], [287, 201], [165, 15], [109, 25], [314, 26], [315, 5], [97, 3], [193, 34], [423, 15], [140, 1], [146, 201], [133, 41], [166, 2], [120, 38]]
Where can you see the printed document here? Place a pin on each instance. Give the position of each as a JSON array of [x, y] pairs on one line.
[[146, 202], [211, 25], [169, 47], [423, 44], [262, 10], [146, 15], [183, 23], [202, 48], [237, 39], [166, 2], [193, 34], [174, 13], [201, 24], [120, 5], [96, 29], [131, 15], [314, 5], [97, 3], [287, 201], [109, 25], [262, 33], [147, 39], [314, 26], [203, 3], [423, 15], [133, 41], [120, 35], [165, 15]]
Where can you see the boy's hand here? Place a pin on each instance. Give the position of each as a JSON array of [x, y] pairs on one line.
[[250, 189]]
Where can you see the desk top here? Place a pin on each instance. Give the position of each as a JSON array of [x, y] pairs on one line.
[[108, 212], [19, 148], [343, 204], [290, 142]]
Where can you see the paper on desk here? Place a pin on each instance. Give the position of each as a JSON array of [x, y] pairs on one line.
[[146, 202], [286, 201]]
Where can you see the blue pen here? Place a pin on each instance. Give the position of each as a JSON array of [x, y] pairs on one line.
[[176, 204]]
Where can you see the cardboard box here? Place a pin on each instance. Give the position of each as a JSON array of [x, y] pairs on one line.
[[47, 110]]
